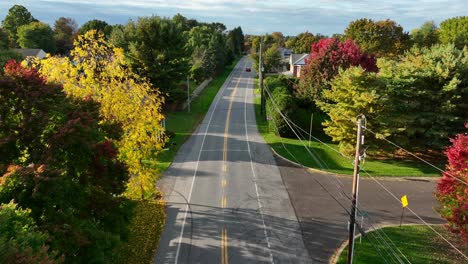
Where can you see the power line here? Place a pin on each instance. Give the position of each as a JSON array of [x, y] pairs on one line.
[[382, 240], [414, 155]]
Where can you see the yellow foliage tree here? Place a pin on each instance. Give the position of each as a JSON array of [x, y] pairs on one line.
[[99, 71]]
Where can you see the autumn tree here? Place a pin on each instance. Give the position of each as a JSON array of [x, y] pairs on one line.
[[383, 37], [451, 188], [272, 59], [455, 30], [327, 56], [17, 16], [65, 29], [53, 146], [353, 92], [99, 71], [425, 36], [37, 35]]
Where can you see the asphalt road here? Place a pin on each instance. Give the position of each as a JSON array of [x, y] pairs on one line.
[[322, 205], [226, 201]]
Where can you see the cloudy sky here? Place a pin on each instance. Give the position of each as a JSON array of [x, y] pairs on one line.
[[254, 16]]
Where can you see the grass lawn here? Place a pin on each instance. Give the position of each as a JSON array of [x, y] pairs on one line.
[[418, 243], [184, 123], [333, 161]]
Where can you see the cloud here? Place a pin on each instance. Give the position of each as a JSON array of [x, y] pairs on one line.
[[254, 16]]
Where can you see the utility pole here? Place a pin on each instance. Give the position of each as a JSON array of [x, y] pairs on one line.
[[188, 93], [354, 201], [260, 77]]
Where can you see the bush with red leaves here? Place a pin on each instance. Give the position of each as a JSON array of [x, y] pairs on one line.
[[452, 191], [327, 56]]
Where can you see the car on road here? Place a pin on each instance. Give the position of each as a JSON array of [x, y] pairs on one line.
[[248, 69]]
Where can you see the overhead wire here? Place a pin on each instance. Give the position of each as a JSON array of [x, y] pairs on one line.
[[379, 238], [380, 184]]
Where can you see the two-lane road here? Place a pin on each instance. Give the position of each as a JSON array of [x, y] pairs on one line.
[[226, 199]]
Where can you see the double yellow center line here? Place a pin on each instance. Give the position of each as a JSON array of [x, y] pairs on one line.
[[224, 236], [224, 247]]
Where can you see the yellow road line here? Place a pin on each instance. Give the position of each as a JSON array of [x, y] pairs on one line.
[[224, 202], [224, 247], [224, 183], [226, 127]]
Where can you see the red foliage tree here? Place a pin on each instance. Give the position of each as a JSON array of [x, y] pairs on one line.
[[452, 192], [327, 56]]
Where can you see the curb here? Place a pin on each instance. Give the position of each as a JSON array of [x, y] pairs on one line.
[[387, 178]]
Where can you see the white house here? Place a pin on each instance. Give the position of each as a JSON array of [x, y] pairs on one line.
[[297, 62], [39, 53]]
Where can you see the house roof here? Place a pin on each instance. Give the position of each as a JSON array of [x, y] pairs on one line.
[[30, 52], [298, 59]]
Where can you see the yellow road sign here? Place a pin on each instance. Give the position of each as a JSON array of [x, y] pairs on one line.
[[404, 201]]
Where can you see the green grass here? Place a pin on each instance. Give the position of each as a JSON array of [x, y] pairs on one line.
[[418, 243], [184, 123], [335, 162]]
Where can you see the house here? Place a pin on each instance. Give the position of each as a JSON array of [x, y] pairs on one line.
[[296, 62], [39, 53]]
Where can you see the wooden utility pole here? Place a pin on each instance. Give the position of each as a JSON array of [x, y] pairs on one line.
[[260, 77], [354, 198]]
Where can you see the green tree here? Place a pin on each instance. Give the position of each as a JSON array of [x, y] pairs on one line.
[[272, 59], [6, 55], [4, 43], [65, 29], [17, 16], [20, 238], [302, 42], [97, 25], [37, 35], [156, 49], [353, 92], [425, 36], [383, 37], [455, 30], [281, 101]]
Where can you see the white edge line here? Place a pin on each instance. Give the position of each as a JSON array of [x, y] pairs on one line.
[[196, 168], [254, 174]]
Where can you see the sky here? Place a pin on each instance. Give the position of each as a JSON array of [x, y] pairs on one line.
[[254, 16]]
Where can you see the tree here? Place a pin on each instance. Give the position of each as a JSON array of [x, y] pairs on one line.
[[302, 42], [53, 146], [65, 28], [235, 41], [353, 92], [425, 36], [451, 191], [278, 38], [17, 16], [20, 238], [383, 37], [155, 49], [37, 35], [97, 25], [272, 59], [455, 30], [326, 58], [425, 96], [4, 43], [100, 72], [416, 100], [281, 101], [6, 55]]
